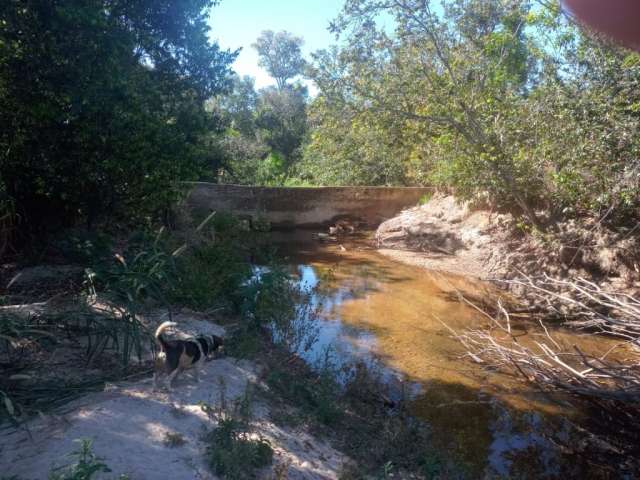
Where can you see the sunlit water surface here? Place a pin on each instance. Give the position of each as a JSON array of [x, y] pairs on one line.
[[392, 317]]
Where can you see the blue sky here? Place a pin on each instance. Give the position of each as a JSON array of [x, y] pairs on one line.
[[237, 23]]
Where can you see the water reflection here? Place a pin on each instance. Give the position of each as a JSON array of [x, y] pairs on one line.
[[341, 345], [391, 316]]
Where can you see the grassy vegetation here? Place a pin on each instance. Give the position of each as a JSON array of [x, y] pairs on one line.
[[356, 416], [86, 466], [234, 451], [205, 267]]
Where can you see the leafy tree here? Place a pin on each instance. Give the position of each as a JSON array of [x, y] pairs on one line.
[[346, 148], [282, 120], [449, 78], [504, 98], [102, 105], [238, 108], [280, 54], [264, 132]]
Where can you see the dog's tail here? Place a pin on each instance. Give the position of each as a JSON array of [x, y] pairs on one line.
[[160, 330]]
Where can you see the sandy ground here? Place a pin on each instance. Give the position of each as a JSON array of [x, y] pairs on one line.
[[453, 237], [473, 264], [128, 424], [446, 236]]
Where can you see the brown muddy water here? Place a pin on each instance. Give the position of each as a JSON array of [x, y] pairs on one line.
[[391, 316]]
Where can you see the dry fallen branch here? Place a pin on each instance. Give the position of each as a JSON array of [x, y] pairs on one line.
[[588, 305], [607, 389]]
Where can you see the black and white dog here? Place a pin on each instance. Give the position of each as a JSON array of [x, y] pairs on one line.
[[176, 356]]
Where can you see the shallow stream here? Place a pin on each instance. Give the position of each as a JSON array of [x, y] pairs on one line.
[[393, 316]]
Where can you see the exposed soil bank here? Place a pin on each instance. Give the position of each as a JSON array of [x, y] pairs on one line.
[[446, 235]]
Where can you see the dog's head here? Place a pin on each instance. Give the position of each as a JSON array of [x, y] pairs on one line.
[[211, 344]]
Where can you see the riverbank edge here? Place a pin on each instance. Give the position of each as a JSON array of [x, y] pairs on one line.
[[454, 237]]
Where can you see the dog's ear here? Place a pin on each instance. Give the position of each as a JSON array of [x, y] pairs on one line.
[[217, 342]]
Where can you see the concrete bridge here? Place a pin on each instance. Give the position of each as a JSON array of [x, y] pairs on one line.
[[300, 207]]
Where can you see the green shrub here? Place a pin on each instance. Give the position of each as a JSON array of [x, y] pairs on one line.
[[210, 276], [233, 453], [233, 450], [317, 399]]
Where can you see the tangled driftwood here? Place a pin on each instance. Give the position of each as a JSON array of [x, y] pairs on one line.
[[608, 386]]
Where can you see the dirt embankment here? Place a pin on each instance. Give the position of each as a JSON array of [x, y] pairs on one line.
[[446, 235]]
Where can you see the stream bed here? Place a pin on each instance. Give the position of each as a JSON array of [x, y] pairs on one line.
[[399, 319]]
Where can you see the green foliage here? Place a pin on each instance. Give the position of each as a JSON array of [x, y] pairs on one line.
[[142, 271], [233, 450], [8, 219], [205, 271], [425, 199], [211, 273], [103, 106], [281, 120], [265, 132], [346, 149], [280, 54], [232, 454], [271, 170], [317, 399], [210, 277], [8, 407], [86, 467], [506, 99]]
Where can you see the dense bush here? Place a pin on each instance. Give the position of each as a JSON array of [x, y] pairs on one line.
[[265, 131], [102, 106]]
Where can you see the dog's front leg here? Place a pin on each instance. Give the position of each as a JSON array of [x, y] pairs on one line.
[[172, 377]]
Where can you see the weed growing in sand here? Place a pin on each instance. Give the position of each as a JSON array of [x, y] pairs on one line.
[[86, 466], [8, 407], [234, 451]]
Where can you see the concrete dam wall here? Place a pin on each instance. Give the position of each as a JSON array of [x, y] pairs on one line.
[[301, 207]]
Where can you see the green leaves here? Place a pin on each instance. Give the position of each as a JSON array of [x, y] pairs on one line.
[[488, 97], [102, 105]]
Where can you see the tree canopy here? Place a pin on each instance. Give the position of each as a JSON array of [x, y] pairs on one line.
[[281, 55], [106, 106], [102, 105], [502, 98]]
